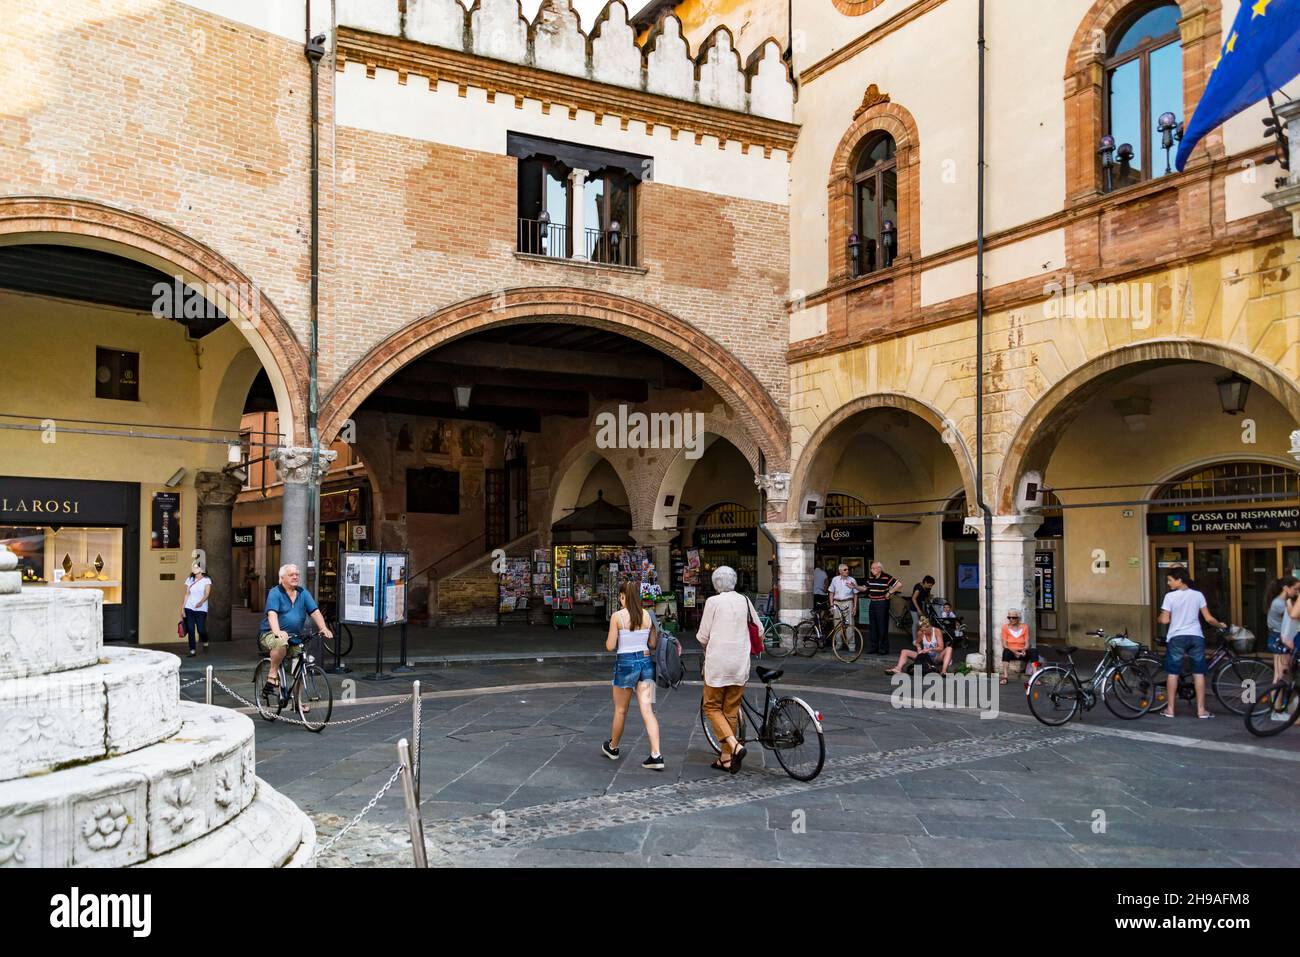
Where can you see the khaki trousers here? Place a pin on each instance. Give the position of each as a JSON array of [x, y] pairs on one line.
[[722, 708]]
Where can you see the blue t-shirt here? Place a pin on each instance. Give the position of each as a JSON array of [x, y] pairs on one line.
[[293, 615]]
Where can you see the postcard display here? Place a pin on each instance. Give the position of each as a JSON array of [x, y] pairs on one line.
[[591, 575], [373, 592]]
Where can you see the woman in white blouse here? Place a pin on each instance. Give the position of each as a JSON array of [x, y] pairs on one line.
[[194, 607], [724, 634]]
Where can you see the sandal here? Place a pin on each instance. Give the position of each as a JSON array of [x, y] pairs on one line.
[[736, 757], [719, 766], [1002, 681]]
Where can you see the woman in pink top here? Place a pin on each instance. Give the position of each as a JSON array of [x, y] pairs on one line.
[[1015, 641]]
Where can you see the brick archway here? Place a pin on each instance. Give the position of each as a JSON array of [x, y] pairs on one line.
[[94, 225], [1054, 410], [877, 114], [803, 482], [661, 330]]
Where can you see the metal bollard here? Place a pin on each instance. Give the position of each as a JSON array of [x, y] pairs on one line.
[[207, 685], [415, 735], [412, 804]]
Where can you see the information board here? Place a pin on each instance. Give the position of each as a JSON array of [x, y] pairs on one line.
[[361, 595], [394, 565]]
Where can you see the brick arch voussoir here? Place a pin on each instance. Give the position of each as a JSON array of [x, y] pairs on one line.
[[102, 226], [881, 400], [1040, 429], [655, 327]]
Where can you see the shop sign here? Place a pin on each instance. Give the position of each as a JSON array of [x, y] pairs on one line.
[[241, 537], [165, 520], [35, 501], [726, 538], [1218, 522], [857, 533]]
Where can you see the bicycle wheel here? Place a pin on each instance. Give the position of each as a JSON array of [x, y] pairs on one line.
[[1238, 682], [712, 738], [805, 639], [797, 738], [1130, 690], [778, 639], [313, 690], [343, 636], [269, 706], [846, 642], [1054, 695], [1275, 709]]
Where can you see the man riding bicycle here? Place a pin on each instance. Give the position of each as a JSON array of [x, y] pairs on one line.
[[288, 606]]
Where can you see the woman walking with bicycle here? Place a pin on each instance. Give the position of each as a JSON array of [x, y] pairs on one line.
[[632, 633], [724, 635]]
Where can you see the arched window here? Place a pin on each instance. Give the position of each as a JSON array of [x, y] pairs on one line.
[[1244, 481], [1143, 98], [875, 195]]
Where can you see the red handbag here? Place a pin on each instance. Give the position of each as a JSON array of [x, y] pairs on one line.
[[755, 636], [180, 628]]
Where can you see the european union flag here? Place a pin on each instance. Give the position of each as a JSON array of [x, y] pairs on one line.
[[1261, 53]]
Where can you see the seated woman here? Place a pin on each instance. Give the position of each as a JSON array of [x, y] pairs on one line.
[[929, 642]]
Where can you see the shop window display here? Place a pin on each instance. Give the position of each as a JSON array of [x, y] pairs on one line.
[[68, 557]]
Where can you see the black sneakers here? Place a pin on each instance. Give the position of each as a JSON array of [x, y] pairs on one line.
[[611, 753], [655, 762]]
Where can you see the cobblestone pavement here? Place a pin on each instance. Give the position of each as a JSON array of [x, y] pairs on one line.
[[512, 774]]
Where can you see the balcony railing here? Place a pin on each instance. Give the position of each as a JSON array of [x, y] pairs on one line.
[[611, 247]]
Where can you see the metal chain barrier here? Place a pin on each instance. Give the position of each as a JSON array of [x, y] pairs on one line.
[[187, 684], [322, 848], [283, 717]]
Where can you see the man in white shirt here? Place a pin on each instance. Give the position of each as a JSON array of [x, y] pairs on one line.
[[820, 578], [1182, 610], [844, 589]]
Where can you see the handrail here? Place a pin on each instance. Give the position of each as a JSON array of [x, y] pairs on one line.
[[429, 567]]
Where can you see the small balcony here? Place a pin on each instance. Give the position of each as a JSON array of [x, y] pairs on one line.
[[611, 247]]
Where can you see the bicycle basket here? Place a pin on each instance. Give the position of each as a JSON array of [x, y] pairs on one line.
[[1123, 646], [1241, 639]]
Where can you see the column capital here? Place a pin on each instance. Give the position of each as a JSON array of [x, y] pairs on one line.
[[294, 464], [653, 536], [795, 533], [776, 485], [217, 489], [1007, 527]]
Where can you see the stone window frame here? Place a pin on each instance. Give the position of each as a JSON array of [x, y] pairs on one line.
[[876, 115], [1085, 85]]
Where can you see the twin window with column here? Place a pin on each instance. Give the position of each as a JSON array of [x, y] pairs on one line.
[[577, 202], [874, 241], [1142, 104]]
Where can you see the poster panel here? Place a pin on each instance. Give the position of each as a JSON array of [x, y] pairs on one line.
[[394, 579], [360, 604]]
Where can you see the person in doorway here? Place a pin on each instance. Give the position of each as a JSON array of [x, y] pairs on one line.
[[289, 606], [1181, 610], [1277, 601], [844, 590], [1015, 642], [920, 602], [929, 644], [724, 634], [881, 586], [194, 606], [820, 579], [633, 635]]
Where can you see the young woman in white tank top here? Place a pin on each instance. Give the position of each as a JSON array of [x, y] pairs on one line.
[[632, 636]]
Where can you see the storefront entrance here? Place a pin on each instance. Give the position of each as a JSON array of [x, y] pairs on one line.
[[1233, 575]]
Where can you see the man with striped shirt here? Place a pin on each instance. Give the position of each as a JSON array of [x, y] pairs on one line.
[[880, 586]]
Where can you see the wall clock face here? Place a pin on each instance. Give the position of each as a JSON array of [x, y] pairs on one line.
[[103, 374]]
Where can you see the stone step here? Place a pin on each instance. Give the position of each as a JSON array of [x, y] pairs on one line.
[[45, 629], [128, 701], [123, 810]]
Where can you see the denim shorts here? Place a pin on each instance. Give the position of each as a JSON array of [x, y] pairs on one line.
[[1275, 643], [631, 668], [1185, 646]]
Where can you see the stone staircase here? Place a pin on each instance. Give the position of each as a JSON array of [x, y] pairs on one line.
[[467, 595], [102, 764]]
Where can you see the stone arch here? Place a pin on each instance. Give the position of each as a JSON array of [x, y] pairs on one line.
[[677, 470], [803, 479], [855, 8], [655, 327], [571, 474], [76, 222], [1055, 408], [876, 115], [1085, 81]]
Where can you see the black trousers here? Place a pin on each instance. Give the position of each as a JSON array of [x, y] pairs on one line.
[[878, 616]]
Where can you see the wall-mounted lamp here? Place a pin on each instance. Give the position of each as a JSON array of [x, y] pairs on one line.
[[462, 393], [1233, 391], [888, 240], [234, 454]]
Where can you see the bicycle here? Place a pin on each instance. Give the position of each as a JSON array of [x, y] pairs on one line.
[[1234, 679], [1277, 705], [844, 637], [787, 726], [1124, 679], [308, 683], [342, 636], [778, 637]]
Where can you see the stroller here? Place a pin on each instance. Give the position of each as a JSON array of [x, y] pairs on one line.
[[954, 629]]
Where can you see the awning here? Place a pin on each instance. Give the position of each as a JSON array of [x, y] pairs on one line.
[[590, 158]]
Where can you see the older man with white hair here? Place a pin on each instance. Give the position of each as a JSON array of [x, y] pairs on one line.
[[288, 607]]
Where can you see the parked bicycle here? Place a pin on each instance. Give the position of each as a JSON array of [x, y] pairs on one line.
[[1277, 704], [813, 633], [1124, 678], [778, 637], [307, 688], [787, 726], [342, 638], [1235, 679]]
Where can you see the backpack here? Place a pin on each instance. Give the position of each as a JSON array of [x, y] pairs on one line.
[[669, 670]]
